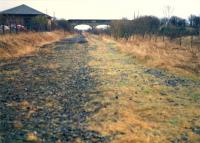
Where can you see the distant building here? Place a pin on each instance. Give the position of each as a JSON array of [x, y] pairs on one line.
[[22, 15]]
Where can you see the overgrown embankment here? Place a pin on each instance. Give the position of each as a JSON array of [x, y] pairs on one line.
[[162, 54], [12, 45]]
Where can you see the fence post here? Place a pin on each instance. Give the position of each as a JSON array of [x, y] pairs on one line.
[[191, 42], [10, 26], [3, 28], [16, 27], [163, 38]]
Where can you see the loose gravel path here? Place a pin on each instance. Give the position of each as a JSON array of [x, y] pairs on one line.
[[44, 97], [82, 89]]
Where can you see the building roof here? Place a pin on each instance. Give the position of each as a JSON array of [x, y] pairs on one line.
[[22, 10]]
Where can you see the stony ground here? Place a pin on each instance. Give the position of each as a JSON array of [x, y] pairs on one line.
[[82, 89]]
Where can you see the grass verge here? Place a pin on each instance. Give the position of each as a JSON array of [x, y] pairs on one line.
[[17, 45], [167, 55]]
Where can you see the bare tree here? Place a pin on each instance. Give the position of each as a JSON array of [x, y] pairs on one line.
[[168, 11]]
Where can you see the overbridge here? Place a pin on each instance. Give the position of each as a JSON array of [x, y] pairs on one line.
[[91, 22]]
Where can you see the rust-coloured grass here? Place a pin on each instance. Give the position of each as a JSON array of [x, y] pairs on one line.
[[166, 55], [134, 111], [17, 45]]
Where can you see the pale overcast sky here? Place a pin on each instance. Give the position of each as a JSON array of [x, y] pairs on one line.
[[107, 9]]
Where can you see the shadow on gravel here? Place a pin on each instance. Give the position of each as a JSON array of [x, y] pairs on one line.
[[80, 39], [171, 80], [50, 103]]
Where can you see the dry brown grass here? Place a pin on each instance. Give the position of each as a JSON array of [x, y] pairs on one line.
[[12, 45], [167, 55], [133, 110]]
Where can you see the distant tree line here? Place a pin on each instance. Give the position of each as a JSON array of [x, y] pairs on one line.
[[97, 31], [173, 27], [144, 25], [63, 24]]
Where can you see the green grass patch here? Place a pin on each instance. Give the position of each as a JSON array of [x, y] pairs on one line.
[[195, 96]]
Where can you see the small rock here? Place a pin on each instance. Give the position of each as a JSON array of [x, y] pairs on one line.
[[184, 137], [162, 93], [58, 141], [196, 130], [32, 137], [18, 124], [24, 104]]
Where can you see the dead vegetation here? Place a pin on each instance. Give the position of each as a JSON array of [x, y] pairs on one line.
[[138, 107], [166, 55], [12, 45]]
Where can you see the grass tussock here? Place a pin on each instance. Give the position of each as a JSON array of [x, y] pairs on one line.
[[12, 45], [167, 55]]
